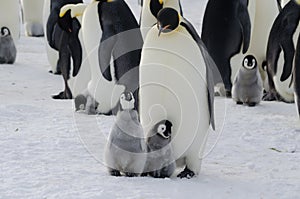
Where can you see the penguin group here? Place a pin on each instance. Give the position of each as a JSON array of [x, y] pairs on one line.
[[153, 75]]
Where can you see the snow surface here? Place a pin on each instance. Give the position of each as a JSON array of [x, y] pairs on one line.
[[48, 151]]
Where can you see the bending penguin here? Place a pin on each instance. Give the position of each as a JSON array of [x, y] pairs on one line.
[[8, 51], [33, 17], [125, 152], [53, 30], [226, 29], [281, 52], [248, 87], [76, 74], [150, 10], [10, 17], [113, 42], [176, 83], [160, 160]]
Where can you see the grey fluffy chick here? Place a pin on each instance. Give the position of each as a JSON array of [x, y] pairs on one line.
[[248, 86], [160, 161], [8, 51], [125, 151]]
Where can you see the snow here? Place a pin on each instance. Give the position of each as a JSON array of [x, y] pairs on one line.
[[48, 151]]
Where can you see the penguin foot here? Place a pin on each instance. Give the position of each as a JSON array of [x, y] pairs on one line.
[[129, 174], [114, 172], [186, 173], [272, 96], [62, 95], [239, 103], [144, 174], [251, 104], [228, 94]]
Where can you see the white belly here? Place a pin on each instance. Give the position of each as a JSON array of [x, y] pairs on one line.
[[105, 92], [173, 87], [33, 13], [10, 17]]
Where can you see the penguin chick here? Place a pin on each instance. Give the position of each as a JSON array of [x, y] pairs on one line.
[[248, 85], [160, 161], [8, 51], [125, 151]]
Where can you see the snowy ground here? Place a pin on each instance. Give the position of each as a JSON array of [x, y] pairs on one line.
[[48, 151]]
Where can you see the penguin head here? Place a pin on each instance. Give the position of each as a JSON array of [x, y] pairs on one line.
[[127, 101], [163, 129], [249, 62], [168, 20], [156, 6], [160, 135], [5, 32]]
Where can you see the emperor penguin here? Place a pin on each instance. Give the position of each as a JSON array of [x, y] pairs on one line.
[[150, 10], [10, 17], [8, 51], [33, 17], [76, 74], [176, 84], [160, 160], [125, 152], [53, 30], [226, 30], [248, 86], [113, 42], [281, 52]]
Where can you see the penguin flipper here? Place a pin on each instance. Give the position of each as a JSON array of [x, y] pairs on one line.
[[279, 5], [52, 19], [244, 20], [75, 48], [289, 52], [210, 65]]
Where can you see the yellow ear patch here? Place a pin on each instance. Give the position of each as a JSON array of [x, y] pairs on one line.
[[161, 1], [109, 1], [65, 9]]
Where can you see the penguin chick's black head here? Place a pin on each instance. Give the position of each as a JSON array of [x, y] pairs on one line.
[[249, 62], [168, 19], [5, 31], [163, 128], [127, 101]]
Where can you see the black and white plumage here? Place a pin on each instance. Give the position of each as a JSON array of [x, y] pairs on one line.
[[125, 152], [248, 86], [226, 30], [281, 41], [8, 51], [160, 160]]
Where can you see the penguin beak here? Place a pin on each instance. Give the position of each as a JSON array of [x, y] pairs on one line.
[[162, 29]]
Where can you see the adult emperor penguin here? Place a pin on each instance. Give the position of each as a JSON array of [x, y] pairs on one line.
[[150, 10], [176, 84], [160, 160], [33, 17], [114, 49], [281, 52], [8, 51], [76, 74], [10, 17], [52, 29], [248, 86], [226, 29], [125, 152]]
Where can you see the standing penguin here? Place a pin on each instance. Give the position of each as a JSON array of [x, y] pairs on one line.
[[76, 74], [248, 87], [175, 84], [10, 17], [160, 161], [226, 29], [53, 30], [150, 10], [113, 42], [125, 151], [279, 68], [33, 17], [8, 51]]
